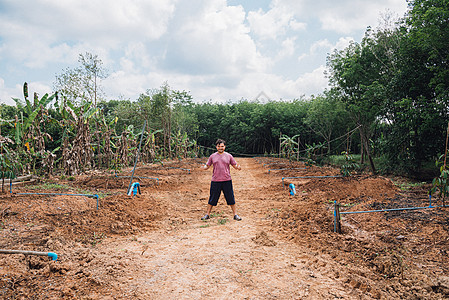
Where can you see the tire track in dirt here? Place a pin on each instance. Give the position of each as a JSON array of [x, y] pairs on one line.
[[221, 258]]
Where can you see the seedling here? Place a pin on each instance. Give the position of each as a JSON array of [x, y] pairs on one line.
[[349, 166], [441, 183]]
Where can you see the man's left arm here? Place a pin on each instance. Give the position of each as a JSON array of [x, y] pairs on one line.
[[237, 166]]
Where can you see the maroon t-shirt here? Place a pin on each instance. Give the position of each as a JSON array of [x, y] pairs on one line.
[[221, 163]]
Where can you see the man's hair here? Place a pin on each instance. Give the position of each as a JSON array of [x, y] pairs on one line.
[[219, 141]]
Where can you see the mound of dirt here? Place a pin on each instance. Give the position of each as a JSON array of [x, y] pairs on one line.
[[262, 239]]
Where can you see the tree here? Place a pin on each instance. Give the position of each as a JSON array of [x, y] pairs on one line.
[[326, 116], [82, 82], [354, 73], [428, 25], [416, 108]]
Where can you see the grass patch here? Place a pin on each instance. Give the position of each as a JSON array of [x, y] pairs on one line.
[[222, 221], [213, 215], [339, 160], [62, 188], [405, 186], [50, 186]]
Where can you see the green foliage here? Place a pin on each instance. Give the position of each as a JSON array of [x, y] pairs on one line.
[[327, 116], [289, 146], [397, 79], [349, 166], [312, 153], [222, 221], [441, 183], [82, 83], [9, 165]]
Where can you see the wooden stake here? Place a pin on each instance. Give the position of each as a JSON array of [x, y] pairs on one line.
[[297, 155], [337, 225]]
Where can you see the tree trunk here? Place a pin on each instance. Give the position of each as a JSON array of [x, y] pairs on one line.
[[365, 145], [362, 150]]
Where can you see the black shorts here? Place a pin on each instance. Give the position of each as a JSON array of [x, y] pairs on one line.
[[215, 191]]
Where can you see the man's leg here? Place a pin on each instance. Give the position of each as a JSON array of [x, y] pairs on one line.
[[207, 215], [209, 209], [228, 192], [215, 191], [233, 209]]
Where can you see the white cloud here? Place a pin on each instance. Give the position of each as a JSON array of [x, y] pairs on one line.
[[342, 43], [215, 40], [93, 21], [273, 23], [319, 45], [302, 56], [6, 94], [312, 82], [287, 48], [275, 86], [57, 31], [297, 26], [343, 16], [214, 50]]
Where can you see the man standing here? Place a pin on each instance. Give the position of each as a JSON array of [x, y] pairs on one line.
[[221, 178]]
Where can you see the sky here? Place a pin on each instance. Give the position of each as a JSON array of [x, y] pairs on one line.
[[217, 50]]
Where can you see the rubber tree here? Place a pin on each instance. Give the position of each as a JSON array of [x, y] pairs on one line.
[[327, 116], [353, 73]]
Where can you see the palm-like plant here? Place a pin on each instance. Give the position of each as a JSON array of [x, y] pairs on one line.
[[288, 146]]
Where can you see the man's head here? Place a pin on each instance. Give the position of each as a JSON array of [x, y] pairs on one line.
[[221, 145]]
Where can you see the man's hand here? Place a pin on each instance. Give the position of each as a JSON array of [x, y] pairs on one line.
[[237, 167]]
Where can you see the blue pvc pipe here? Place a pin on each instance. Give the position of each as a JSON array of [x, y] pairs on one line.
[[137, 156], [389, 209], [393, 209], [53, 255], [59, 194], [135, 187]]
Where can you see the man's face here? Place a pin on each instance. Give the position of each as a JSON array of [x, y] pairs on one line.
[[221, 147]]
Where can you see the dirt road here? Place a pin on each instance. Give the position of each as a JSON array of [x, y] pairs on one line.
[[222, 258]]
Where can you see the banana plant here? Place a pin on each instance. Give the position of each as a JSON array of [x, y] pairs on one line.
[[76, 141], [30, 134], [150, 148], [39, 107], [9, 166], [288, 146]]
